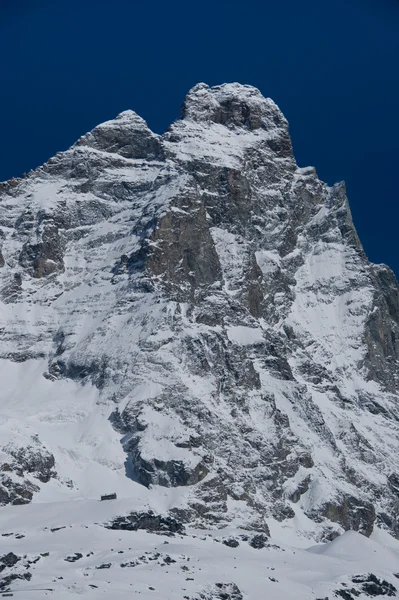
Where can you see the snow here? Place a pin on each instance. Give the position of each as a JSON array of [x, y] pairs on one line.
[[215, 143], [245, 336], [281, 570], [330, 308], [268, 261]]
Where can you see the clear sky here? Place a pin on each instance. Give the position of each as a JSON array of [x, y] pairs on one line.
[[333, 68]]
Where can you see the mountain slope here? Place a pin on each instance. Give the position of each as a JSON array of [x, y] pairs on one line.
[[190, 320], [61, 550]]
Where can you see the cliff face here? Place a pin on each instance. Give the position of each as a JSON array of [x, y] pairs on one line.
[[191, 317]]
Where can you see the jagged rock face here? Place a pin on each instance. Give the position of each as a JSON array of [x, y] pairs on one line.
[[204, 301], [22, 467], [127, 135]]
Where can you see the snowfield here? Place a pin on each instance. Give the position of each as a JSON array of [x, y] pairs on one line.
[[68, 552]]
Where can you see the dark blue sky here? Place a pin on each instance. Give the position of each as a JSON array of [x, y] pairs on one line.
[[331, 66]]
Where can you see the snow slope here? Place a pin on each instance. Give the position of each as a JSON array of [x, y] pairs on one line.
[[68, 552]]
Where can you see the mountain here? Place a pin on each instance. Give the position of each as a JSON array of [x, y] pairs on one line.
[[190, 320]]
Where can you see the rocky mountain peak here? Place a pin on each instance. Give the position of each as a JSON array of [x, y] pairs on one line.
[[191, 319], [232, 104], [128, 135]]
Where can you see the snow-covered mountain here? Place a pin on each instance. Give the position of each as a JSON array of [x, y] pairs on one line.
[[190, 320]]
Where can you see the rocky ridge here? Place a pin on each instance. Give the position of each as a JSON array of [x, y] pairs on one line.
[[208, 305]]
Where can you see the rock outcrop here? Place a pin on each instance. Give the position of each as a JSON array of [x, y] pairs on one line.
[[21, 470]]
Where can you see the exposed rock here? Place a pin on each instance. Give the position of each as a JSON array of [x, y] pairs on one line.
[[231, 542], [183, 254], [372, 586], [16, 492], [223, 591], [301, 489], [169, 473], [132, 563], [33, 458], [8, 560], [148, 521], [74, 557], [8, 579], [127, 135], [258, 541], [351, 513], [382, 329], [46, 256]]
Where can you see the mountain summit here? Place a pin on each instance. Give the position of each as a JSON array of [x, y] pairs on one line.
[[190, 320]]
